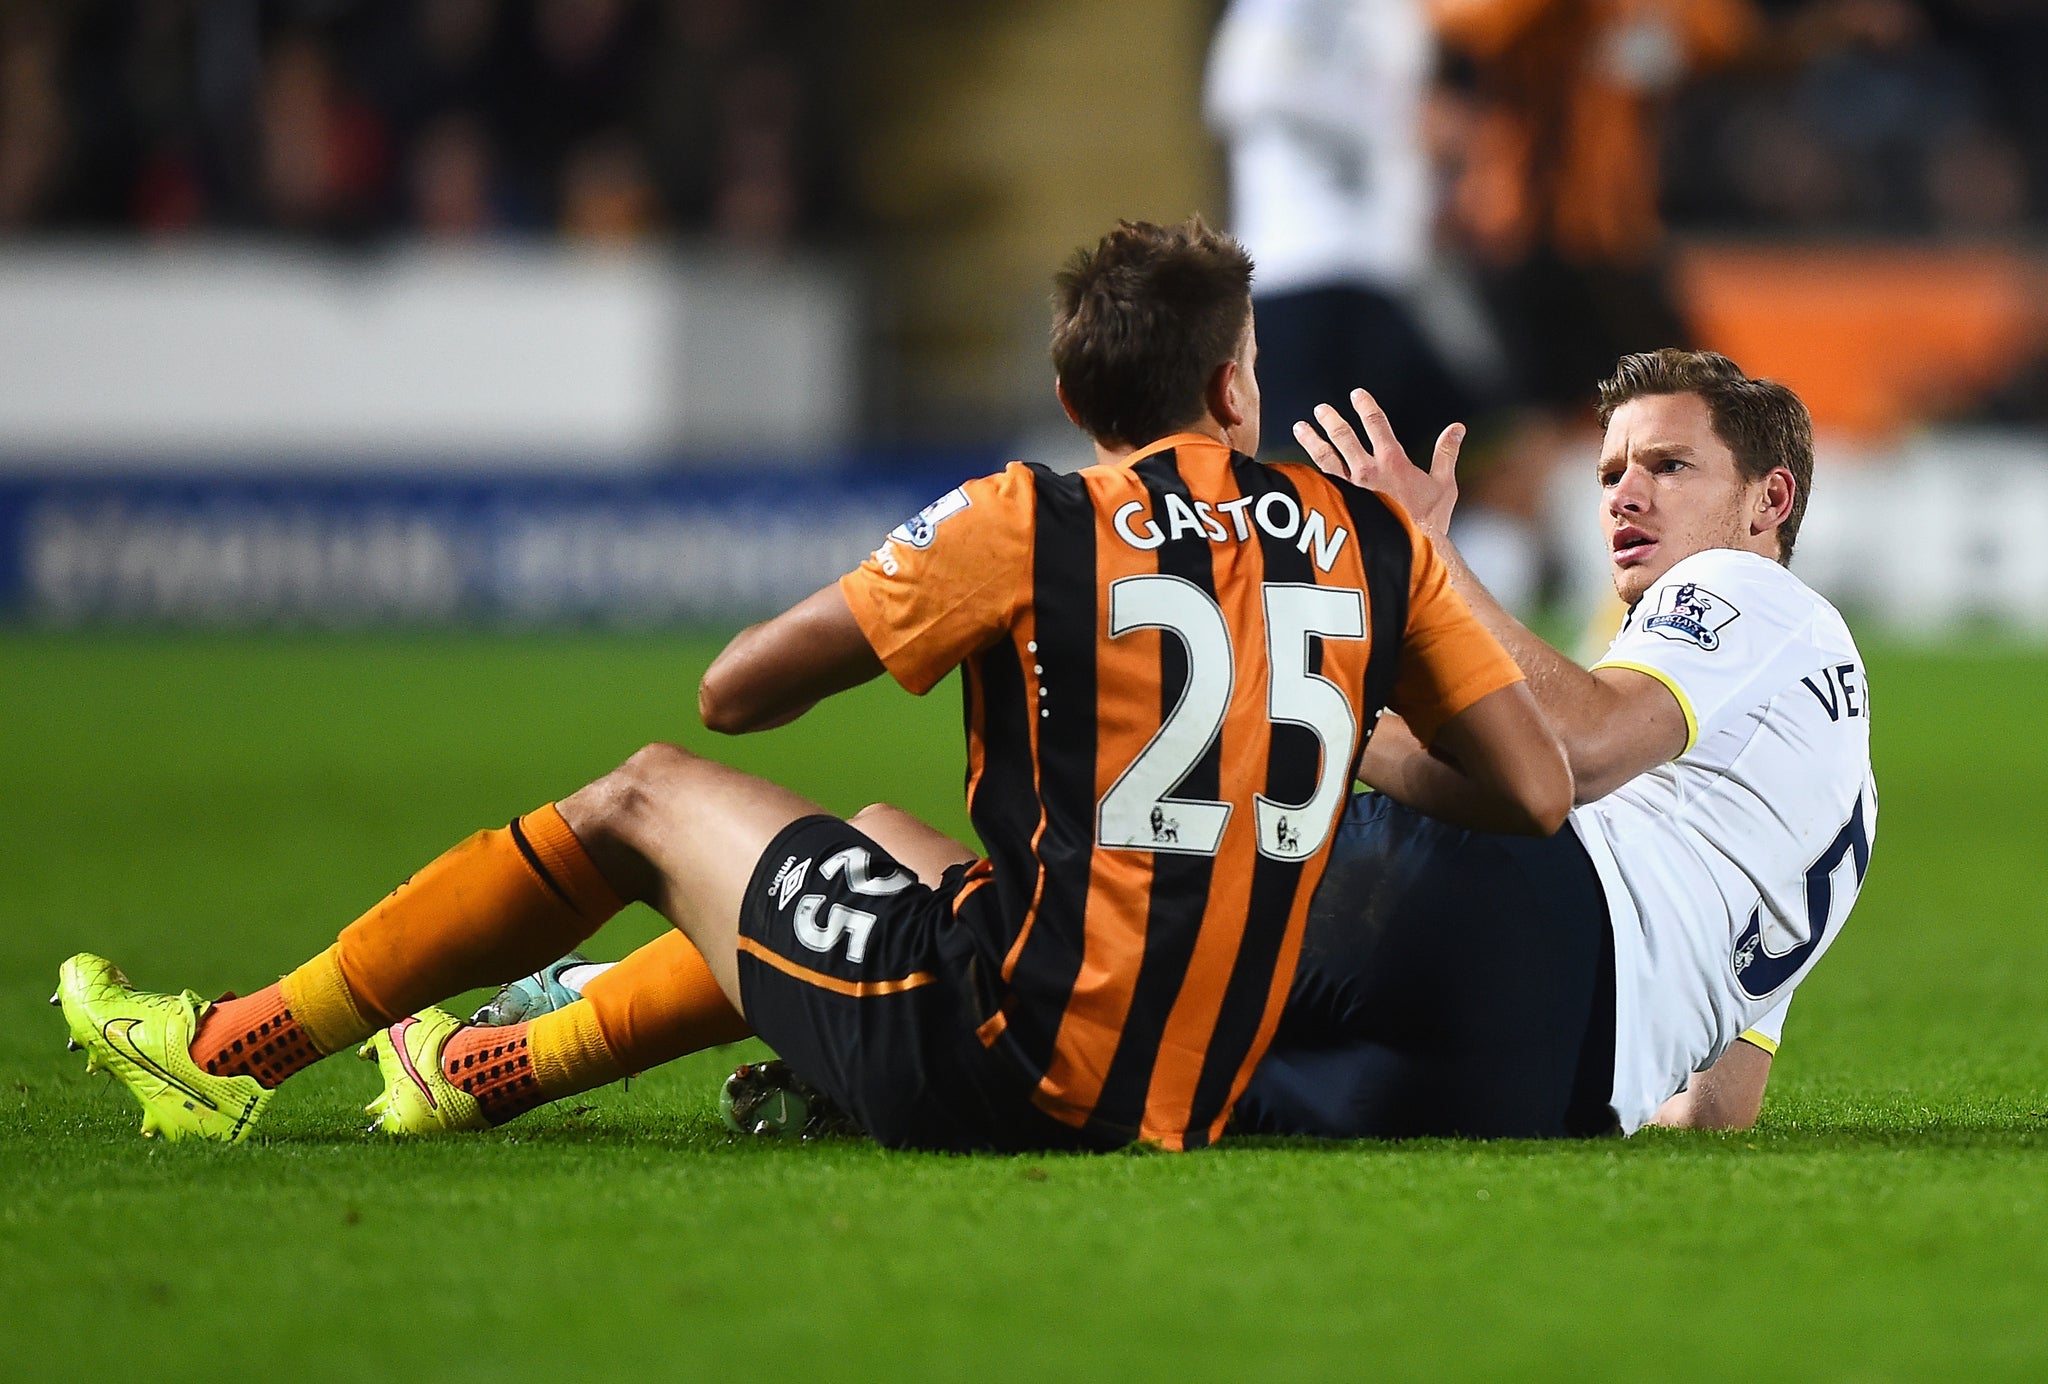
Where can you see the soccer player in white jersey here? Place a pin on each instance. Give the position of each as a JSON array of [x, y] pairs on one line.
[[1637, 966]]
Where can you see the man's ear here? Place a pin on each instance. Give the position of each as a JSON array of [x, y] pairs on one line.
[[1220, 396], [1059, 390], [1774, 501]]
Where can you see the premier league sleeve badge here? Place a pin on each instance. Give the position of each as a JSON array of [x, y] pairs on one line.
[[1691, 614]]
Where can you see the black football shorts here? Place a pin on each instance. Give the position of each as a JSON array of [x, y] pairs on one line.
[[857, 975], [1451, 982]]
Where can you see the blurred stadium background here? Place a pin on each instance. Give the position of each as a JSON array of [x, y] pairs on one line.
[[346, 311], [340, 337]]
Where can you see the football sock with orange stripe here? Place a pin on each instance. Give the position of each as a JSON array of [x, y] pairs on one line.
[[661, 1002], [499, 905], [655, 1006], [496, 1066], [253, 1035]]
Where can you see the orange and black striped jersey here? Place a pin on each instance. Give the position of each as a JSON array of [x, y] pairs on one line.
[[1170, 668]]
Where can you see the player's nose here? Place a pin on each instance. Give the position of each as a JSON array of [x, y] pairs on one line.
[[1629, 494]]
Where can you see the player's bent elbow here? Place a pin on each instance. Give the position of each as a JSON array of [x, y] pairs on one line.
[[1548, 816], [709, 709], [721, 703], [1675, 1113], [1519, 807], [1541, 813], [1728, 1096], [1544, 793], [1594, 776], [718, 708], [1623, 733]]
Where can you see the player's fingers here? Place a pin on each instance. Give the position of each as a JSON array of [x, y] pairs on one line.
[[1385, 445], [1320, 451], [1443, 462], [1357, 460]]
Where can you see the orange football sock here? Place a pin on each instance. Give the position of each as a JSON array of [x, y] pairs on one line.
[[660, 1003], [496, 1066], [570, 1055], [496, 907], [254, 1035], [656, 1005]]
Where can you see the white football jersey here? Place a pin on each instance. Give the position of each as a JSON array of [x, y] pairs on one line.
[[1731, 869]]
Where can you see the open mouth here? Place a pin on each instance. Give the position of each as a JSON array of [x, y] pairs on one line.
[[1631, 545]]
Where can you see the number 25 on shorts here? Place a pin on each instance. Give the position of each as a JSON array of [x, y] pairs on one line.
[[841, 921]]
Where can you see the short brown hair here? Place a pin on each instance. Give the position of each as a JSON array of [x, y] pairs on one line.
[[1141, 322], [1764, 423]]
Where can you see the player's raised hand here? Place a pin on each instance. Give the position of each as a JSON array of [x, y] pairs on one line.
[[1428, 496]]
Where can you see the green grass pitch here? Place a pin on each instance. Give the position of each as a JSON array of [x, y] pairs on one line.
[[208, 810]]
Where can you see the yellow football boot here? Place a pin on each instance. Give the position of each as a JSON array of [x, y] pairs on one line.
[[418, 1098], [145, 1040]]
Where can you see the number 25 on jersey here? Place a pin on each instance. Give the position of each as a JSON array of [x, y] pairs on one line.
[[1139, 811]]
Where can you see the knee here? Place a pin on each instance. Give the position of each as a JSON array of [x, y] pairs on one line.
[[867, 817], [623, 805], [887, 823]]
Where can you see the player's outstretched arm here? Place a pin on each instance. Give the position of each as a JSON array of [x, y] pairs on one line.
[[1727, 1095], [1615, 723], [1493, 767], [773, 672]]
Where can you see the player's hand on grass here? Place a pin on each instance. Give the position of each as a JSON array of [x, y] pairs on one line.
[[1428, 496]]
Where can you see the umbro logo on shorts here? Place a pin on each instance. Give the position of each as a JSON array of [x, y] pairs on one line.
[[789, 879]]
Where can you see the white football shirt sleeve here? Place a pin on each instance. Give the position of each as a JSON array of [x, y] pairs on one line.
[[1714, 629], [1769, 1031]]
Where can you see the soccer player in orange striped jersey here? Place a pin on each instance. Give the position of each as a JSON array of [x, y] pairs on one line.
[[1171, 662]]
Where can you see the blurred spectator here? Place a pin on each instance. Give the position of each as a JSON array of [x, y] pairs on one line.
[[572, 65], [2006, 43], [1557, 193], [1553, 194], [31, 116], [607, 197], [755, 197], [324, 151], [612, 119], [1320, 106], [731, 123], [453, 192], [446, 57]]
